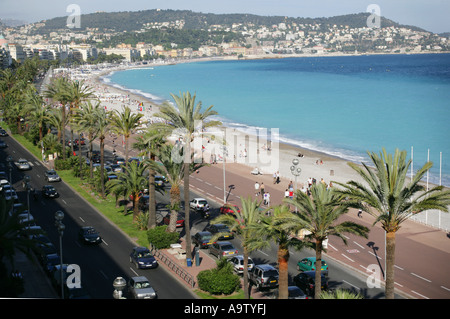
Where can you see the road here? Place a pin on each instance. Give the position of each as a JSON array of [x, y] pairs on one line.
[[422, 253], [101, 264]]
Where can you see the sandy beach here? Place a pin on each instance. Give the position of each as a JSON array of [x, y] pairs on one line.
[[244, 151], [242, 148]]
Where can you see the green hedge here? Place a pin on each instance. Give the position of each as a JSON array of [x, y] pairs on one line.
[[160, 238], [220, 280]]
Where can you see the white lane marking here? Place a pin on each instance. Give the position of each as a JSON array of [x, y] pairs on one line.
[[82, 219], [348, 258], [134, 271], [420, 277], [359, 245], [419, 294]]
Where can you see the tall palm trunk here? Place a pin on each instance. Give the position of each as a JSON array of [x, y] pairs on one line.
[[102, 165], [174, 203], [245, 273], [187, 226], [390, 262], [63, 131], [318, 277], [151, 196], [283, 258]]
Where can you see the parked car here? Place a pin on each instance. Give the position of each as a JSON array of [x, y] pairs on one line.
[[264, 276], [3, 133], [198, 204], [119, 160], [52, 176], [294, 292], [3, 144], [22, 164], [228, 209], [180, 219], [309, 264], [10, 194], [220, 228], [238, 263], [142, 258], [202, 239], [139, 288], [306, 281], [160, 180], [49, 262], [116, 168], [49, 191], [88, 235], [223, 249]]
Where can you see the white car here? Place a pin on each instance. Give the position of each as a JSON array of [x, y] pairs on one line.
[[198, 203], [52, 176], [238, 263], [3, 182], [23, 164]]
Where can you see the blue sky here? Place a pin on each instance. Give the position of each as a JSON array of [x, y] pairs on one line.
[[431, 15]]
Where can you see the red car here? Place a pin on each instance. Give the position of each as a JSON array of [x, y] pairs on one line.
[[180, 220], [227, 209]]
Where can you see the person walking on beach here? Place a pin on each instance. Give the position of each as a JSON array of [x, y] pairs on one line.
[[257, 189]]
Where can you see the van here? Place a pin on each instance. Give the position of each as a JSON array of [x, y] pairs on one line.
[[264, 276]]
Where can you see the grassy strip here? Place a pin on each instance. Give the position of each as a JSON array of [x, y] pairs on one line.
[[107, 207]]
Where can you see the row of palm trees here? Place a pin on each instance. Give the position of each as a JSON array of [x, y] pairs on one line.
[[386, 192]]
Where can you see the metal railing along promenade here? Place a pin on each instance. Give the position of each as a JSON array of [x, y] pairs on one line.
[[172, 265]]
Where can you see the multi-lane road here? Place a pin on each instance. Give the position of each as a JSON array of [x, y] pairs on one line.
[[100, 265]]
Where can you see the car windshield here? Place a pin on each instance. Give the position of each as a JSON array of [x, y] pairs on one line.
[[222, 228], [202, 202], [206, 237], [143, 284], [227, 247], [144, 254], [51, 173], [91, 231]]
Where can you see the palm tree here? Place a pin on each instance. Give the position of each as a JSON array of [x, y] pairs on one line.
[[86, 120], [57, 91], [103, 124], [149, 143], [391, 199], [126, 123], [319, 215], [173, 171], [37, 112], [186, 119], [270, 228], [133, 181], [76, 92], [241, 223]]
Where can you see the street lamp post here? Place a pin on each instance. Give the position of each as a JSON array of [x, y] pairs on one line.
[[27, 180], [296, 171], [118, 284], [9, 159], [59, 215]]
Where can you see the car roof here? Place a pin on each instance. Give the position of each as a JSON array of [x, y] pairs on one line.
[[139, 278], [205, 232], [140, 248], [265, 266]]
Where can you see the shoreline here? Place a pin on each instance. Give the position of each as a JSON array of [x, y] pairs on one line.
[[334, 168]]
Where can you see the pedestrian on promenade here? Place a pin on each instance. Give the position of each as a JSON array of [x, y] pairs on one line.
[[286, 193], [257, 192], [262, 190], [360, 213]]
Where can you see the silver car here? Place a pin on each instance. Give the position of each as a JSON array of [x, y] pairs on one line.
[[23, 164], [238, 263], [52, 176], [140, 288], [223, 249]]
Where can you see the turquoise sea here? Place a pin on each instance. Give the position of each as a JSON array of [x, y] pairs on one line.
[[343, 106]]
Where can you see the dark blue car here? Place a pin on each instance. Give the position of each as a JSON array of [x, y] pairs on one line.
[[142, 258]]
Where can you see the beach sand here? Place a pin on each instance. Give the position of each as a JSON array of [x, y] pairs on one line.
[[245, 150], [279, 159]]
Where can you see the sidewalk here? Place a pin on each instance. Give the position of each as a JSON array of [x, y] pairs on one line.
[[176, 263]]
